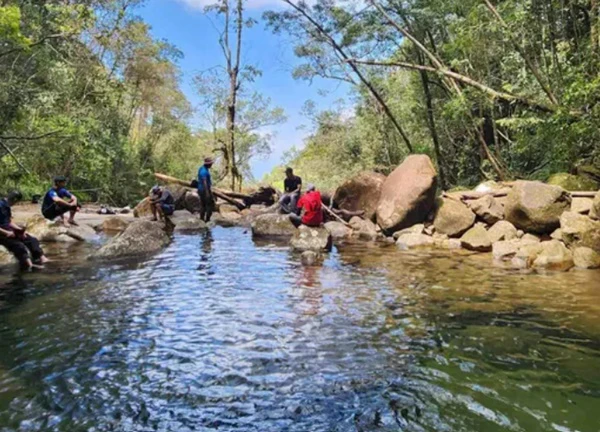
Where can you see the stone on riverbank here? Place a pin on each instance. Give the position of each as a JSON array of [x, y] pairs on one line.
[[412, 241], [526, 255], [452, 217], [536, 207], [311, 239], [586, 258], [364, 229], [554, 256], [476, 239], [582, 205], [338, 230], [488, 209], [502, 230], [361, 192], [579, 230], [415, 229], [49, 231], [273, 225], [595, 210], [505, 250], [141, 237], [408, 194], [114, 224]]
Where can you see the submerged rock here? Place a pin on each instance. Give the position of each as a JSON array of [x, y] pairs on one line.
[[536, 207], [452, 217], [579, 230], [360, 192], [488, 209], [273, 225], [554, 256], [141, 237], [338, 230], [310, 258], [408, 194], [586, 258], [311, 239], [502, 230], [476, 239]]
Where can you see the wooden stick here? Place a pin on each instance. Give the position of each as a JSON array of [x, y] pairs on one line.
[[337, 217]]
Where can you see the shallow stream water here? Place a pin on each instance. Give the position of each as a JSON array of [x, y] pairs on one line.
[[221, 333]]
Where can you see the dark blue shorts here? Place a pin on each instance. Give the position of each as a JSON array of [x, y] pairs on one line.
[[168, 209]]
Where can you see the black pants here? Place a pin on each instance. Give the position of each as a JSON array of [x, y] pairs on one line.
[[21, 248], [55, 211], [208, 205]]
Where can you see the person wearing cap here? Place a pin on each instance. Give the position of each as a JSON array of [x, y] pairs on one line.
[[292, 186], [58, 201], [162, 202], [15, 239], [312, 209], [205, 190]]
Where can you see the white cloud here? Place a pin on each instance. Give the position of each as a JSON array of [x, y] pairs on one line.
[[250, 4]]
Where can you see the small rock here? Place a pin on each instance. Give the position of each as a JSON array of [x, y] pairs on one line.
[[364, 229], [526, 255], [429, 230], [505, 250], [582, 205], [586, 258], [530, 239], [579, 230], [452, 217], [554, 256], [476, 239], [595, 210], [415, 229], [338, 230], [311, 239], [411, 241], [557, 234], [502, 230], [488, 209], [310, 258], [520, 233]]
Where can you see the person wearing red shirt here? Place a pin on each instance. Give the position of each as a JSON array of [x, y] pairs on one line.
[[312, 209]]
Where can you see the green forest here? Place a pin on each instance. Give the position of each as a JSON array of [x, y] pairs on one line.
[[491, 90]]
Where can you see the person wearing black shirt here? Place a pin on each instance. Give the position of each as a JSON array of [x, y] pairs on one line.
[[15, 239], [292, 188]]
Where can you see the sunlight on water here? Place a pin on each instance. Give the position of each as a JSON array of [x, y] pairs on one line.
[[220, 333]]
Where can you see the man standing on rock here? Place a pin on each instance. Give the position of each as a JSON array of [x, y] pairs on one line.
[[162, 203], [312, 207], [58, 201], [205, 190], [292, 186], [15, 239]]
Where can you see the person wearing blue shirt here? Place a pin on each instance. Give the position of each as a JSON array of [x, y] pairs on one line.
[[205, 190], [58, 201], [15, 239]]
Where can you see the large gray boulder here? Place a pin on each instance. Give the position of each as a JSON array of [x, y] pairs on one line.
[[140, 238], [488, 209], [191, 202], [452, 217], [476, 239], [311, 239], [408, 194], [361, 192], [338, 230], [273, 225], [536, 207], [580, 231]]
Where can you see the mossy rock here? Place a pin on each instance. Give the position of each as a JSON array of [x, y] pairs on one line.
[[591, 172], [572, 182]]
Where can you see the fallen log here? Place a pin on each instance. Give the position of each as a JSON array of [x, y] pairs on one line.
[[216, 192]]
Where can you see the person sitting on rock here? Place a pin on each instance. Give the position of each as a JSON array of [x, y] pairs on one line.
[[292, 186], [15, 239], [162, 203], [58, 201], [311, 206], [205, 190]]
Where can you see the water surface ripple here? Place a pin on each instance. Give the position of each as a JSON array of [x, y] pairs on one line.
[[220, 333]]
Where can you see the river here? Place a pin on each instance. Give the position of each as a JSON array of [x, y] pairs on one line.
[[218, 332]]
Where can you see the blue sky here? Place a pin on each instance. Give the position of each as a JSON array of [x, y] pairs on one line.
[[183, 23]]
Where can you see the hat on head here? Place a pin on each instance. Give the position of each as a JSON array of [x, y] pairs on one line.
[[310, 187], [208, 161], [59, 179], [155, 189]]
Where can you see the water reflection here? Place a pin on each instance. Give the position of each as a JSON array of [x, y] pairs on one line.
[[219, 333]]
